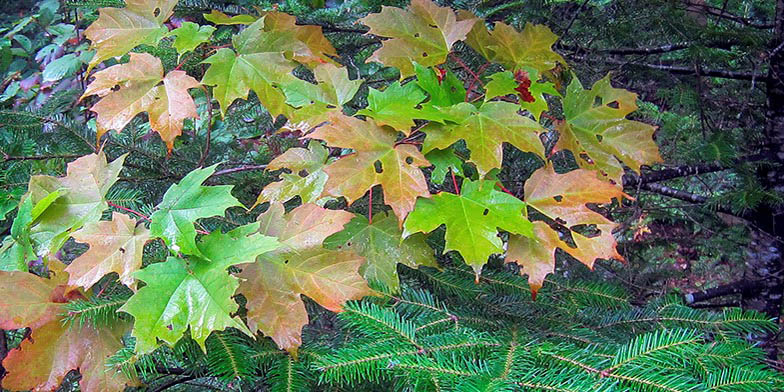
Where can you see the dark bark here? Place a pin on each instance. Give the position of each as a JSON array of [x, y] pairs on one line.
[[764, 258], [745, 287]]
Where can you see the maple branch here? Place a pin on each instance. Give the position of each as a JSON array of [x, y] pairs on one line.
[[39, 157], [717, 73], [571, 22], [674, 193], [174, 382], [744, 287], [119, 207], [467, 68]]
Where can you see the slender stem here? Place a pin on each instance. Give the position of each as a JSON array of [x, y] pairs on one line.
[[370, 206], [137, 213], [209, 129], [503, 188], [454, 181]]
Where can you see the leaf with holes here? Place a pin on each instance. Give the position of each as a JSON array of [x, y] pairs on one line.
[[382, 245], [316, 102], [308, 187], [274, 283], [597, 132], [564, 198], [472, 220], [118, 30], [183, 204], [83, 200], [484, 130], [115, 246], [377, 160], [140, 86], [535, 255], [423, 33], [514, 49]]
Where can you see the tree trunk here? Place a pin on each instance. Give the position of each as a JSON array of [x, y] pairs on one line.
[[765, 254]]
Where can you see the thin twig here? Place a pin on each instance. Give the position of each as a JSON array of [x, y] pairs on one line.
[[137, 213]]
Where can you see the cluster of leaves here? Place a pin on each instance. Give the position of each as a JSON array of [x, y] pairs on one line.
[[186, 293]]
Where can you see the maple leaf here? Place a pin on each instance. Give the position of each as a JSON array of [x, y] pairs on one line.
[[118, 30], [196, 294], [220, 18], [17, 248], [302, 266], [443, 161], [83, 199], [317, 102], [115, 246], [263, 61], [564, 198], [423, 33], [535, 255], [382, 245], [29, 301], [308, 187], [308, 44], [54, 348], [485, 130], [376, 160], [504, 83], [395, 106], [139, 86], [235, 74], [190, 35], [515, 50], [599, 135], [444, 90], [186, 202], [472, 220]]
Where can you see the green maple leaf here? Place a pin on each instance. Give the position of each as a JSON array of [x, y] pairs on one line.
[[600, 135], [472, 220], [118, 30], [395, 106], [186, 202], [484, 130], [383, 247], [443, 161], [308, 187], [446, 92], [504, 83], [235, 74], [195, 294], [190, 35], [17, 248]]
